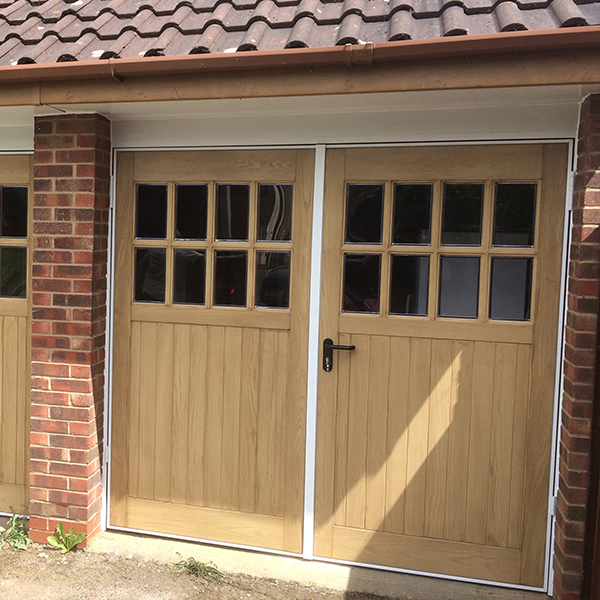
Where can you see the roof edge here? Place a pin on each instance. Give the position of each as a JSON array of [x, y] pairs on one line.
[[348, 55]]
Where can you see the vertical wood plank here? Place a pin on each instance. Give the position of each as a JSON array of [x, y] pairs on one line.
[[9, 398], [278, 408], [439, 423], [133, 462], [416, 477], [22, 395], [501, 444]]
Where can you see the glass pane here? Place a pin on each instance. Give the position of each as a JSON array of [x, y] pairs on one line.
[[362, 273], [462, 214], [230, 277], [364, 212], [459, 286], [190, 276], [233, 203], [14, 212], [150, 274], [514, 214], [412, 213], [510, 293], [13, 272], [190, 214], [272, 279], [275, 212], [409, 285], [151, 222]]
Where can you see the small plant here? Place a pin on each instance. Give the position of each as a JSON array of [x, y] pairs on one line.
[[65, 541], [16, 534], [193, 567]]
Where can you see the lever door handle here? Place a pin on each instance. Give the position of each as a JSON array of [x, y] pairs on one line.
[[328, 348]]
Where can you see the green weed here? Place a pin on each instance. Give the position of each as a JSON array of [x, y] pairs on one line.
[[16, 534], [65, 541], [193, 567]]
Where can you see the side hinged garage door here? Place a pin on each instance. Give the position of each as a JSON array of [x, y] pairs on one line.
[[15, 323], [210, 344], [442, 268]]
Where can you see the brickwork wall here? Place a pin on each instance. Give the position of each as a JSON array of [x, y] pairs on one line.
[[580, 358], [70, 240]]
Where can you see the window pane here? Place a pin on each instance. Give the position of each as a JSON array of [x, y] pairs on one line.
[[409, 285], [514, 214], [462, 214], [272, 279], [230, 277], [190, 214], [190, 276], [364, 211], [233, 202], [150, 274], [412, 213], [13, 272], [14, 212], [510, 293], [151, 222], [362, 273], [459, 286], [275, 212]]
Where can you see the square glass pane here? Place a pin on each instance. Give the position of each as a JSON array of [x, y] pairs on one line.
[[190, 211], [13, 221], [190, 276], [150, 266], [514, 214], [272, 279], [13, 272], [362, 274], [409, 284], [459, 286], [233, 204], [364, 213], [151, 211], [510, 290], [274, 212], [231, 268], [463, 204], [412, 213]]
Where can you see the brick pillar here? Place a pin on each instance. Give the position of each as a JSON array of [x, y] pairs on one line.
[[580, 358], [70, 239]]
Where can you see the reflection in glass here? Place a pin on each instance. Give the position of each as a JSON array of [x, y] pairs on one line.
[[412, 213], [510, 291], [409, 284], [230, 277], [364, 212], [190, 276], [274, 212], [13, 272], [514, 214], [151, 211], [13, 220], [361, 282], [459, 286], [190, 212], [150, 274], [272, 279], [462, 214], [233, 202]]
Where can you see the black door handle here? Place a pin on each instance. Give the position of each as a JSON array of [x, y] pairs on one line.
[[328, 348]]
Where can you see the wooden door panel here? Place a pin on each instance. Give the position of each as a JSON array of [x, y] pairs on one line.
[[433, 449], [209, 409]]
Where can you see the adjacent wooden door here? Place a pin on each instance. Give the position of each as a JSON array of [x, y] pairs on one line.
[[15, 323], [210, 349], [442, 267]]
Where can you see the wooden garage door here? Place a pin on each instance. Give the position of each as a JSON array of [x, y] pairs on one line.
[[442, 267], [15, 308], [211, 308]]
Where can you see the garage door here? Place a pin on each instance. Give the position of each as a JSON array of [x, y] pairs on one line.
[[441, 280], [210, 348], [15, 309]]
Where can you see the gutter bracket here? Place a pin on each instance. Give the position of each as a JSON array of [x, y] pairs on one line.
[[359, 54], [113, 74]]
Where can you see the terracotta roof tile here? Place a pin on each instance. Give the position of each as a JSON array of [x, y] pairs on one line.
[[51, 30]]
